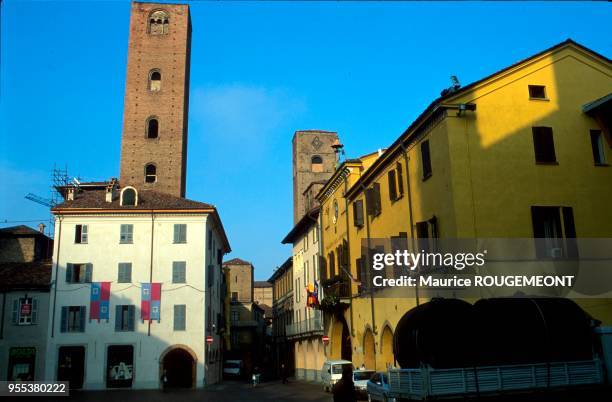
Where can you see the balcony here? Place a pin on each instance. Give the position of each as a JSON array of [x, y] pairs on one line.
[[311, 326]]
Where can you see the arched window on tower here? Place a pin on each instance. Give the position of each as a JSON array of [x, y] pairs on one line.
[[316, 163], [150, 173], [154, 81], [152, 127], [158, 23]]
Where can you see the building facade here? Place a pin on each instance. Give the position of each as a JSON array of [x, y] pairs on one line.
[[247, 321], [519, 154], [307, 327], [137, 290], [282, 316], [25, 277]]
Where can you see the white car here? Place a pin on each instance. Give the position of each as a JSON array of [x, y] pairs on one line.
[[331, 372], [378, 388], [232, 368], [360, 379]]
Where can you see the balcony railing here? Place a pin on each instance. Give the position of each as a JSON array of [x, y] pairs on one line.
[[310, 326]]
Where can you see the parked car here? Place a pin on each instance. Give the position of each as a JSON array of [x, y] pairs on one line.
[[233, 369], [331, 372], [360, 379], [378, 388]]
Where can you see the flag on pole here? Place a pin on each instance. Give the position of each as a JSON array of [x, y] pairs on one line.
[[150, 303], [99, 300]]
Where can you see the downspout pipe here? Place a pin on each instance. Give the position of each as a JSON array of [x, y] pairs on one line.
[[348, 252], [369, 243], [410, 214], [57, 260]]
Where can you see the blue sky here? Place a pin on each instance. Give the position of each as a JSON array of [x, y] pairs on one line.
[[259, 71]]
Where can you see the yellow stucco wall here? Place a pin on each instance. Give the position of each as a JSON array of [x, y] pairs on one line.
[[484, 176]]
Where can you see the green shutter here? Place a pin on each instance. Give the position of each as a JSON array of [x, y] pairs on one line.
[[16, 311], [117, 318], [131, 317], [34, 310], [392, 185], [88, 272], [64, 320], [82, 317], [69, 269], [400, 180]]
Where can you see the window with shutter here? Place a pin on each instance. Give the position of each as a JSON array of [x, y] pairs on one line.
[[376, 199], [425, 159], [34, 310], [358, 213], [392, 185], [554, 232], [64, 320], [179, 317], [124, 272], [126, 235], [15, 311], [400, 179], [79, 273], [178, 272], [180, 233], [543, 144], [597, 147], [80, 234]]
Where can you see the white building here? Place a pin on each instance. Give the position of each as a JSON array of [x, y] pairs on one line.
[[307, 326], [129, 238]]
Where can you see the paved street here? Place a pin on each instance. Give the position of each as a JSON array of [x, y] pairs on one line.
[[228, 391], [297, 391]]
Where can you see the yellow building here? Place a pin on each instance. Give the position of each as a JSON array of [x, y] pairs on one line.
[[521, 153]]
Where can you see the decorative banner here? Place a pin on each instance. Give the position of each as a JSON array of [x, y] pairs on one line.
[[150, 303], [312, 295], [99, 300]]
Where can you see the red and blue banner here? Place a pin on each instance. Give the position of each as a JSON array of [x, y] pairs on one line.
[[312, 295], [150, 303], [99, 301]]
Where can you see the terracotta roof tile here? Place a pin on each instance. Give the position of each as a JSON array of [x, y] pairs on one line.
[[25, 275]]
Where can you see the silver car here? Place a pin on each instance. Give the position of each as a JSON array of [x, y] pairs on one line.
[[378, 388]]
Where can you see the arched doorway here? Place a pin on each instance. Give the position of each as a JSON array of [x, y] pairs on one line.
[[386, 347], [341, 341], [369, 350], [178, 362]]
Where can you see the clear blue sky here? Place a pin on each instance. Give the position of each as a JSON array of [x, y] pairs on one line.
[[259, 71]]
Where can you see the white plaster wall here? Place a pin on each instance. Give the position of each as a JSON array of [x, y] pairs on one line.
[[104, 251]]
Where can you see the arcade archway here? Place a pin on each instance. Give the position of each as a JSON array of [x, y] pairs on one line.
[[178, 364]]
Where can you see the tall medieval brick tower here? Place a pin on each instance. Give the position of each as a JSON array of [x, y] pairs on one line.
[[154, 140], [314, 162]]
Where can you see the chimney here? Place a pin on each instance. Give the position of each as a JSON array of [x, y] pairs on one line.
[[41, 228], [110, 190], [70, 193]]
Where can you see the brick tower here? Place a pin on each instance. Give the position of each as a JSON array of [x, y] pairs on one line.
[[314, 161], [154, 140]]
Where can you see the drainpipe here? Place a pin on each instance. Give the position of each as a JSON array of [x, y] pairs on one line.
[[59, 243], [411, 219], [348, 253], [321, 292], [151, 263], [367, 222]]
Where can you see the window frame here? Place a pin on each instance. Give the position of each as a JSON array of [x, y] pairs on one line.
[[176, 238], [598, 148], [120, 277], [544, 92], [179, 271], [543, 137], [81, 234], [147, 175], [426, 167], [129, 234], [180, 311]]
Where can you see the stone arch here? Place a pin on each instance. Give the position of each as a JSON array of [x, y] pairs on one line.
[[369, 350], [158, 22], [340, 338], [181, 351], [386, 346]]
